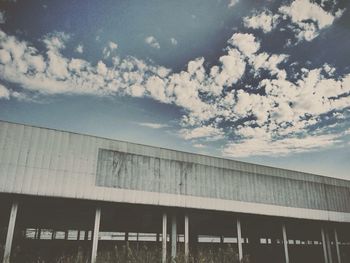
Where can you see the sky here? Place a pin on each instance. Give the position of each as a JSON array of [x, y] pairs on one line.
[[266, 82]]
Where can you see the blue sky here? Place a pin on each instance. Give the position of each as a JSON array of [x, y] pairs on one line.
[[259, 81]]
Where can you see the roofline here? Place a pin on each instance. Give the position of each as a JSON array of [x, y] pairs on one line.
[[170, 149]]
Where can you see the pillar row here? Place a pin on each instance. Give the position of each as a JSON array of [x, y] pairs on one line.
[[95, 235], [329, 248], [324, 245], [285, 243], [10, 232], [164, 237], [173, 237], [187, 251], [336, 241], [239, 239]]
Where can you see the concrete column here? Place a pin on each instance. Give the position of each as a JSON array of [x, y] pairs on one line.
[[324, 246], [173, 236], [164, 238], [187, 249], [10, 232], [329, 248], [95, 235], [285, 243], [337, 245], [239, 239]]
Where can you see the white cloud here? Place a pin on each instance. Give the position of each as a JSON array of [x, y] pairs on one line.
[[246, 43], [57, 65], [56, 41], [173, 41], [4, 92], [152, 41], [302, 10], [261, 147], [306, 31], [101, 68], [280, 116], [76, 65], [153, 125], [109, 49], [209, 132], [79, 49], [231, 70], [156, 87], [112, 45], [199, 145], [266, 21], [136, 90], [269, 62], [232, 3], [22, 64], [5, 56], [308, 17]]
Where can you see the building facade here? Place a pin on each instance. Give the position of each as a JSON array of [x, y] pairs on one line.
[[188, 198]]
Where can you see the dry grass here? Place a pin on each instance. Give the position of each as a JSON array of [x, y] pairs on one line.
[[142, 254]]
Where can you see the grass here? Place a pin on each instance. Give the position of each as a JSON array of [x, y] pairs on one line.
[[139, 254]]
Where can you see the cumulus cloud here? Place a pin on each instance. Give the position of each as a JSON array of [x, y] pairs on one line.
[[109, 49], [232, 3], [153, 125], [79, 49], [303, 10], [265, 20], [214, 101], [269, 62], [229, 72], [152, 41], [246, 43], [308, 17], [53, 73], [4, 92], [305, 18], [173, 41], [112, 45]]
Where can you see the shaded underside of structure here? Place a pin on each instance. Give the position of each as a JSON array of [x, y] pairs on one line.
[[52, 228]]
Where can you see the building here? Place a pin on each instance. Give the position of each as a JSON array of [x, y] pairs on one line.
[[56, 184]]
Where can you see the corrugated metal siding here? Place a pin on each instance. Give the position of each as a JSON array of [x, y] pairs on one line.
[[41, 161], [121, 170]]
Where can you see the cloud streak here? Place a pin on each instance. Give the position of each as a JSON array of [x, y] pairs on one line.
[[153, 125]]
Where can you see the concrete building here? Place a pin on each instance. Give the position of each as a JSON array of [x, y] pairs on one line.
[[68, 188]]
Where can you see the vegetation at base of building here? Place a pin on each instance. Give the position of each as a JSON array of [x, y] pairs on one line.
[[142, 254]]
